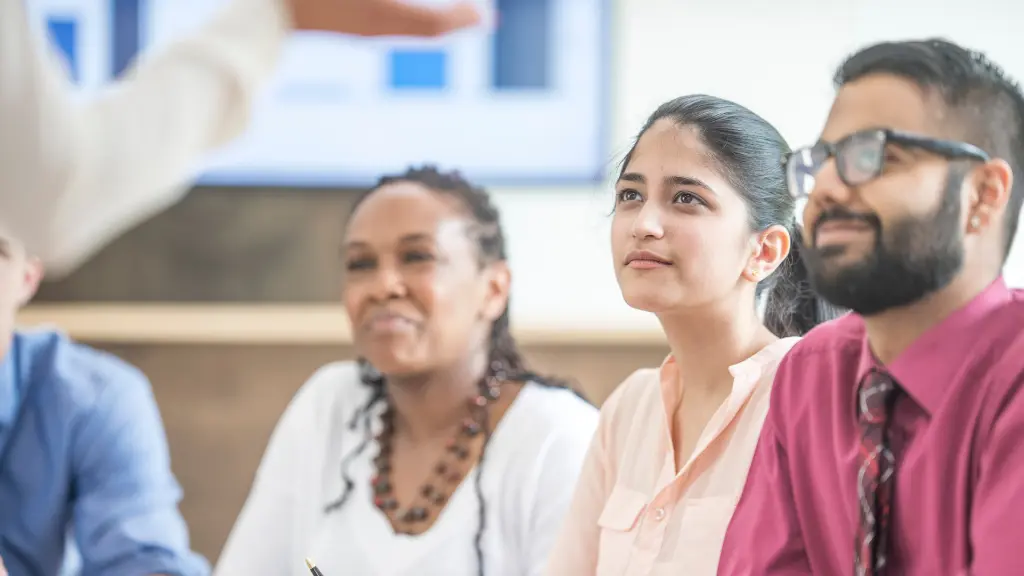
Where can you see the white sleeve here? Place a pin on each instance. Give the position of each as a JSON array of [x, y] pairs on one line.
[[560, 464], [261, 541], [74, 175]]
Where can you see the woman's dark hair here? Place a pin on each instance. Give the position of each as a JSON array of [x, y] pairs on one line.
[[749, 151], [504, 357]]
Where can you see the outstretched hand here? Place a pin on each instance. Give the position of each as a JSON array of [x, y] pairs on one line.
[[3, 571], [382, 17]]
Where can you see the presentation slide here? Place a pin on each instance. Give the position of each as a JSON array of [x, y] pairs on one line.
[[522, 104]]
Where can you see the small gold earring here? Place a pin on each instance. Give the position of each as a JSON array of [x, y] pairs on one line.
[[753, 272], [975, 222]]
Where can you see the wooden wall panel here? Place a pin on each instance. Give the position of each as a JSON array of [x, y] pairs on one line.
[[221, 245], [220, 403]]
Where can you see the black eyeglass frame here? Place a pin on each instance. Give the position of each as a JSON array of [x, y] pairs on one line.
[[951, 149]]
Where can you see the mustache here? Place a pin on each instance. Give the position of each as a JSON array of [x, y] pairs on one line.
[[839, 214]]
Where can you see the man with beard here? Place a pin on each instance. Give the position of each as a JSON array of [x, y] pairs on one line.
[[893, 441]]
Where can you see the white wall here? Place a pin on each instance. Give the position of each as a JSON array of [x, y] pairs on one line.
[[775, 57]]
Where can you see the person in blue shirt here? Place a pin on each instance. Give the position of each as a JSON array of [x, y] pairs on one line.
[[83, 454]]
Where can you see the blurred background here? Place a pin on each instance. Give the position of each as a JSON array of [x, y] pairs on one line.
[[228, 301]]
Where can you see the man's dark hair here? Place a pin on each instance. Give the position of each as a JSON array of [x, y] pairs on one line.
[[984, 106]]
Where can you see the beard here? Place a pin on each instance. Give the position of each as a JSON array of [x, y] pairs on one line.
[[914, 257]]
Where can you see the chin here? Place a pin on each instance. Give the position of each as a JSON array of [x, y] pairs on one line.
[[393, 360], [649, 299]]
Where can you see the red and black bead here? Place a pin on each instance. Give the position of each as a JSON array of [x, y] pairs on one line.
[[415, 514], [381, 485]]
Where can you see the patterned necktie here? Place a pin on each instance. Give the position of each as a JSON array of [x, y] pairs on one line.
[[875, 400]]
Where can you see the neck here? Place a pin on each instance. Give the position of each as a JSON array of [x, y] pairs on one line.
[[706, 342], [894, 330], [428, 406]]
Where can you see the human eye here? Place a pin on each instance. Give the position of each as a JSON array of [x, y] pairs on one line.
[[688, 198], [416, 256], [627, 195], [360, 263]]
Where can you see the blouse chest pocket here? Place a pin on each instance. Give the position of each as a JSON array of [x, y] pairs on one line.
[[702, 532], [618, 520]]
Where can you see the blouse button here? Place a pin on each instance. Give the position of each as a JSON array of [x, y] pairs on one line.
[[659, 514]]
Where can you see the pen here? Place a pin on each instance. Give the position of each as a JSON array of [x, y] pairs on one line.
[[312, 568]]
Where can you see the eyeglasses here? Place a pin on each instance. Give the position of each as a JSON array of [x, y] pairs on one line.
[[860, 157]]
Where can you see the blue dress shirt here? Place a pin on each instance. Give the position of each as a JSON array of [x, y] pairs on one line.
[[83, 453]]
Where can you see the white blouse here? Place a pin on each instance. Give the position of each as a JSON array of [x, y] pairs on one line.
[[529, 472]]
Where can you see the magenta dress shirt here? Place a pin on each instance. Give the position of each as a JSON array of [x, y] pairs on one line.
[[958, 436]]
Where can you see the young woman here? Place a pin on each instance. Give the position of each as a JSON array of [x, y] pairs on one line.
[[703, 225], [438, 453]]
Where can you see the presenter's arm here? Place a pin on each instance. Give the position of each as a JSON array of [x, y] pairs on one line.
[[74, 175]]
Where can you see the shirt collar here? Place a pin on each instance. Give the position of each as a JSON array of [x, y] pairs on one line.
[[746, 375], [924, 370], [10, 393]]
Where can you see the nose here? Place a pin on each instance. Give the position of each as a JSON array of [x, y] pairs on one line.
[[648, 222], [388, 284], [829, 188]]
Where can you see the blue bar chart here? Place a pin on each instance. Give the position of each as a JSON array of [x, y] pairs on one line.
[[523, 103], [126, 34], [522, 45], [64, 33], [418, 69]]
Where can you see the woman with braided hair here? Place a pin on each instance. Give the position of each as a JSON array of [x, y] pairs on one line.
[[438, 452]]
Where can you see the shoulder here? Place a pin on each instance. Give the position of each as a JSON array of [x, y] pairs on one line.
[[334, 390], [638, 394], [842, 334], [830, 347], [74, 378], [1004, 353], [767, 360], [331, 382], [555, 407], [805, 375], [555, 412], [1006, 338], [546, 424]]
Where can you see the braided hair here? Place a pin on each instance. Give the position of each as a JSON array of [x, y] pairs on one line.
[[505, 360]]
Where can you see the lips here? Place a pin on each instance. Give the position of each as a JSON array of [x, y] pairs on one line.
[[834, 231], [389, 322], [645, 259]]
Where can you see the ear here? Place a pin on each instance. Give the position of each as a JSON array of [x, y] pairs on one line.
[[499, 282], [993, 183], [32, 275], [771, 246]]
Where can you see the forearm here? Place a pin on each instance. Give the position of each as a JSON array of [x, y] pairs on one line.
[[75, 175]]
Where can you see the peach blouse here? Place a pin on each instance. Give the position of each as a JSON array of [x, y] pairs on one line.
[[633, 513]]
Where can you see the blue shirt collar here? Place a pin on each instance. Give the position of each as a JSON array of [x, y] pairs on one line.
[[10, 391]]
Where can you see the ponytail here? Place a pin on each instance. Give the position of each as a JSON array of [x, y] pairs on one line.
[[792, 308]]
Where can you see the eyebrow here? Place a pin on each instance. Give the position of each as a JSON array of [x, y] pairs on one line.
[[671, 180], [407, 239]]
